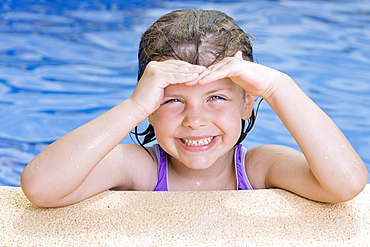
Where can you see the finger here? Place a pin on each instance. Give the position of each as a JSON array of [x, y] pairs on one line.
[[181, 66], [182, 77], [214, 75], [198, 69], [174, 74], [194, 82]]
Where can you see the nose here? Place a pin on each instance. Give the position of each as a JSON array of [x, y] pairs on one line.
[[195, 117]]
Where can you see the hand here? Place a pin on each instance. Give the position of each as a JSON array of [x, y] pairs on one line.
[[255, 79], [157, 76]]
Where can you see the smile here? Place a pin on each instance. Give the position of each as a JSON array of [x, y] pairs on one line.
[[197, 143]]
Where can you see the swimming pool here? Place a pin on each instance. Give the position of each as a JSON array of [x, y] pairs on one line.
[[64, 63]]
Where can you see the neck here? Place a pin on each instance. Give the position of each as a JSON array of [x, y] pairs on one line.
[[220, 176]]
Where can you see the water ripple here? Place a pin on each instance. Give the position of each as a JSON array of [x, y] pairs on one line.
[[64, 63]]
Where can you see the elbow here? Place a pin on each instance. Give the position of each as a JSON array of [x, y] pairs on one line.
[[357, 184], [35, 192], [32, 187], [40, 195], [34, 198], [38, 198], [352, 188], [31, 191]]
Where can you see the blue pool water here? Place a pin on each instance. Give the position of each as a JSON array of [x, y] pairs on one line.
[[62, 63]]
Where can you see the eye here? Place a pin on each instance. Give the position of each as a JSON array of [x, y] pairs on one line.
[[171, 101], [217, 97]]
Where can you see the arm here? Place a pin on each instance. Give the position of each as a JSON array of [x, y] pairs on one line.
[[336, 172], [329, 168], [77, 165], [89, 160]]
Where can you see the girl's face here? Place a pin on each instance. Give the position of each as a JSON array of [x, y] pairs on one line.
[[199, 125]]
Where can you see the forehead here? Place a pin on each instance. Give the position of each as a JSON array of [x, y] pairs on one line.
[[222, 85]]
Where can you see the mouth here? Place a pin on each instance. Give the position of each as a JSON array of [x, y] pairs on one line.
[[197, 143]]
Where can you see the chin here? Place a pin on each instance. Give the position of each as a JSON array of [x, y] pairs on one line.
[[199, 164]]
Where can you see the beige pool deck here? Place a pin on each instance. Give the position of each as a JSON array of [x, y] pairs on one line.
[[220, 218]]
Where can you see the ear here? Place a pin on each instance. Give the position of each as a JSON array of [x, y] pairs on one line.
[[238, 54], [248, 106], [150, 119]]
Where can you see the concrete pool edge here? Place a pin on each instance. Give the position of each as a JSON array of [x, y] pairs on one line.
[[218, 218]]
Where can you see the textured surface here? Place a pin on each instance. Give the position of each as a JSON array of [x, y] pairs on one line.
[[219, 218]]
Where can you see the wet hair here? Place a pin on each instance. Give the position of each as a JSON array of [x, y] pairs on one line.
[[200, 37]]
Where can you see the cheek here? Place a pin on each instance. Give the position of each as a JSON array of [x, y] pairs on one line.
[[163, 123], [230, 121]]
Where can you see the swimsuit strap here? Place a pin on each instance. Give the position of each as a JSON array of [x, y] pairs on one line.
[[239, 160], [162, 182], [241, 174]]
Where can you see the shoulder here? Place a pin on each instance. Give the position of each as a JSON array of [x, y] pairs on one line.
[[268, 152], [138, 165], [130, 153], [264, 162]]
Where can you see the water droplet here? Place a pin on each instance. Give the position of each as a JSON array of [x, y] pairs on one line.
[[326, 157], [37, 167], [76, 165], [92, 145]]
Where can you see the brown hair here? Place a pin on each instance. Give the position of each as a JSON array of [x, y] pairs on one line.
[[201, 37]]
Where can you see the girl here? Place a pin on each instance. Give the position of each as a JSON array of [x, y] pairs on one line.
[[197, 85]]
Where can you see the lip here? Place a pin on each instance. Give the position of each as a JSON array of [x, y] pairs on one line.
[[198, 143]]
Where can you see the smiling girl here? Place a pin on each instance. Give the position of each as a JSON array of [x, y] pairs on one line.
[[197, 86]]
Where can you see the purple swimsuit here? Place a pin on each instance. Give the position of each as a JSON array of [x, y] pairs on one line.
[[239, 160]]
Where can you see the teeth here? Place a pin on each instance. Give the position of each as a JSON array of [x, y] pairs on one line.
[[200, 142]]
